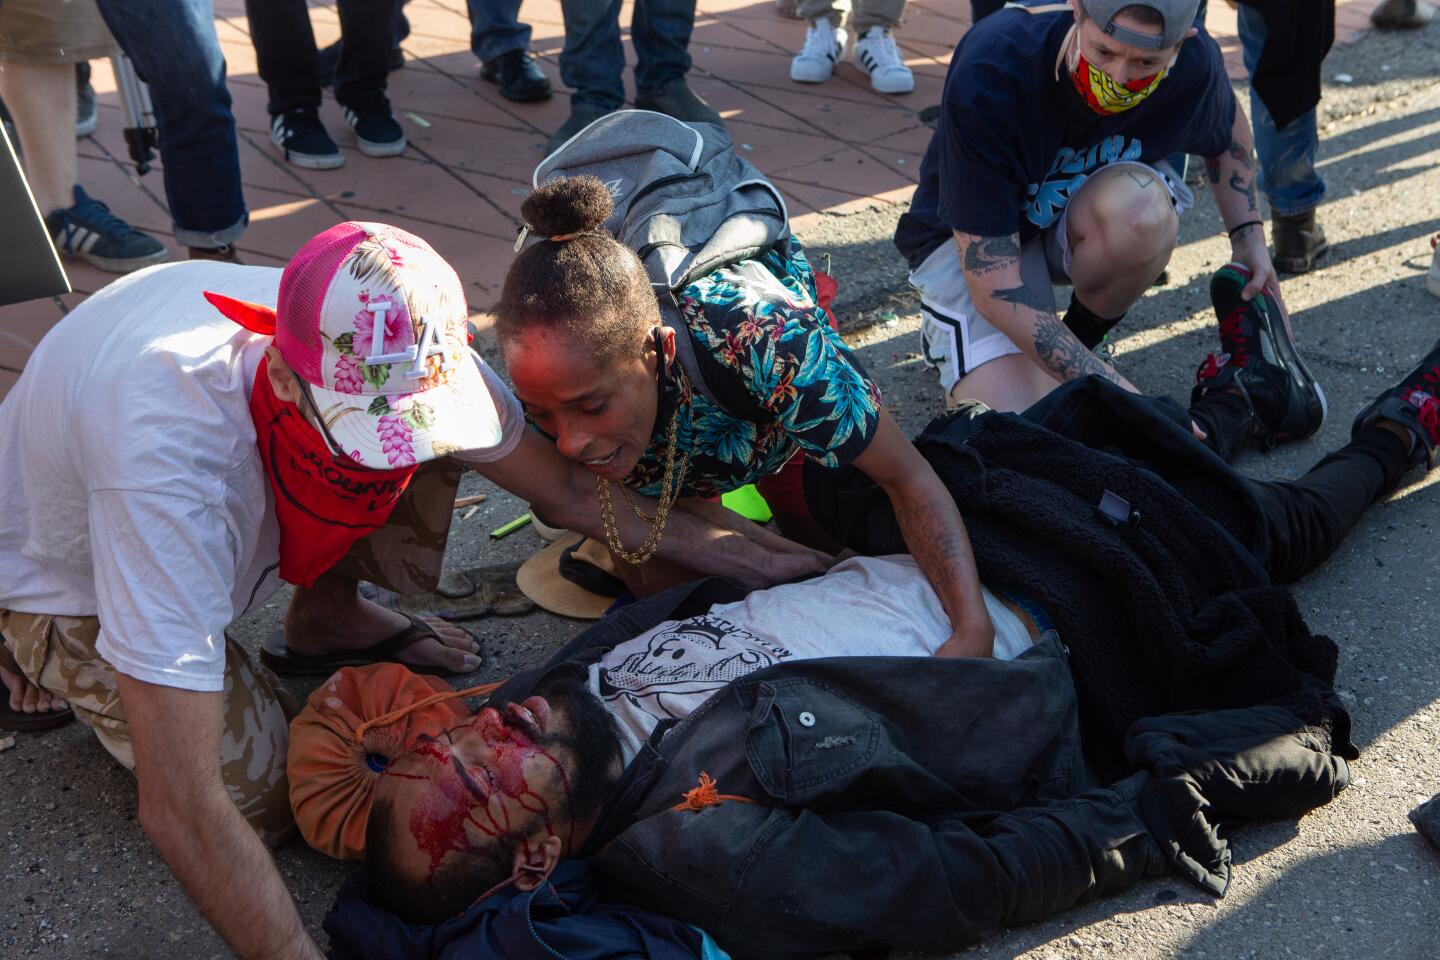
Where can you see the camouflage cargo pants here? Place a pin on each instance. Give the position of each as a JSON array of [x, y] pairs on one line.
[[57, 654]]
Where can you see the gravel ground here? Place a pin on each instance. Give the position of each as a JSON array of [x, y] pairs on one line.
[[1352, 879]]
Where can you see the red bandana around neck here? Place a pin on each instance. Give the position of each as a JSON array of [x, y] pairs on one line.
[[323, 507]]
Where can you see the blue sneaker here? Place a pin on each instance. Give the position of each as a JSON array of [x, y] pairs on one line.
[[89, 231]]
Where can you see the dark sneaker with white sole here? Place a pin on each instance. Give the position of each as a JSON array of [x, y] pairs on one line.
[[1258, 357], [89, 231], [377, 132], [1413, 401], [304, 141]]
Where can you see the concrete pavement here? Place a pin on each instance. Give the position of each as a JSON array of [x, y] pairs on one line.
[[1350, 880]]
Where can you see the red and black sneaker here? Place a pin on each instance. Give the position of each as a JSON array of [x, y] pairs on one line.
[[1258, 356], [1413, 401]]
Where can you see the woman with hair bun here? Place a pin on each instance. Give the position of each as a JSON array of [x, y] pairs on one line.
[[600, 372]]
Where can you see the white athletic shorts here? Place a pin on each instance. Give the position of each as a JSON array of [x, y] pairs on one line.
[[954, 337]]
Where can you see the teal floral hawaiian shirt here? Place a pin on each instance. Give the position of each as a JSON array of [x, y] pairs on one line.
[[760, 320]]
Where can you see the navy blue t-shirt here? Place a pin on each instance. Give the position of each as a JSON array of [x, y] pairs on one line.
[[1013, 142]]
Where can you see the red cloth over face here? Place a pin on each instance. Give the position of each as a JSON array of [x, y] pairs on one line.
[[323, 505]]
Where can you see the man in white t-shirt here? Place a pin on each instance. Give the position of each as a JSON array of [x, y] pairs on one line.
[[166, 461]]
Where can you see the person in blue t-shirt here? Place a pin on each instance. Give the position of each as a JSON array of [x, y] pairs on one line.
[[1047, 164]]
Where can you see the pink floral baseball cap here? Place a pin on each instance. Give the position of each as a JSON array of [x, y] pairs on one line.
[[373, 319]]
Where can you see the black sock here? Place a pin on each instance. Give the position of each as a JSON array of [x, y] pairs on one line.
[[1089, 327]]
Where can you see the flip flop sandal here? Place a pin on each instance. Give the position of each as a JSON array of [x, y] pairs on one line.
[[276, 655], [19, 720], [460, 595]]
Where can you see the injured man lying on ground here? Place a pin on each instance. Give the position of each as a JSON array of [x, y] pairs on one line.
[[791, 772]]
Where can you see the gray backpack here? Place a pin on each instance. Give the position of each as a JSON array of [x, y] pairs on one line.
[[687, 205], [684, 201]]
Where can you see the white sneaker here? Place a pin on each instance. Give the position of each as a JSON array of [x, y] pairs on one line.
[[877, 55], [824, 46]]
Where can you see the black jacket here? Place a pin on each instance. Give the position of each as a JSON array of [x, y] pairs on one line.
[[919, 803], [922, 803], [1299, 33], [1172, 610]]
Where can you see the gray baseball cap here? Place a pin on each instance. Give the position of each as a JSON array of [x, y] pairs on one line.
[[1179, 16]]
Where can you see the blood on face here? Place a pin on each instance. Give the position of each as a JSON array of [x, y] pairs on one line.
[[480, 794]]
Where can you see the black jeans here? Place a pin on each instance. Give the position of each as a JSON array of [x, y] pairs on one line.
[[285, 51], [1308, 517]]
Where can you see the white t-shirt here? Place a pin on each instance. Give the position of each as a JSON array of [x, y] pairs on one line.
[[864, 606], [130, 484]]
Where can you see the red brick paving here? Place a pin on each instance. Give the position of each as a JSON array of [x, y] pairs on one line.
[[832, 148]]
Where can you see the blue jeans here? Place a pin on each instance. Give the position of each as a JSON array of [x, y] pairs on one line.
[[174, 48], [1287, 157], [593, 59], [495, 28]]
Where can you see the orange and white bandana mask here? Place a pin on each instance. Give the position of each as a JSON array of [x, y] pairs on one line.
[[1104, 95]]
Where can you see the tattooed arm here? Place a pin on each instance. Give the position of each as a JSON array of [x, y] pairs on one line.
[[564, 492], [1232, 181], [1026, 316], [933, 531]]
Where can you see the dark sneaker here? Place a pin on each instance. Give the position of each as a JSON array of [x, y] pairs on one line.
[[580, 118], [86, 117], [680, 102], [1413, 401], [377, 132], [1258, 357], [328, 58], [89, 231], [1299, 242], [304, 141], [1402, 15], [519, 78]]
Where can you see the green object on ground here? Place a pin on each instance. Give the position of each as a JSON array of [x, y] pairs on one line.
[[748, 503], [511, 527]]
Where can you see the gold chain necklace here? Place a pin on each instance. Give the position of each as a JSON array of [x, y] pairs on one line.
[[671, 483]]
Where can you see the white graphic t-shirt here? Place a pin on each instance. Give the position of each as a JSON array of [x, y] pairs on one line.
[[864, 606]]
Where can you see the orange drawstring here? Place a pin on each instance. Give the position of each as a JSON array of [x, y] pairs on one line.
[[386, 719], [706, 795]]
